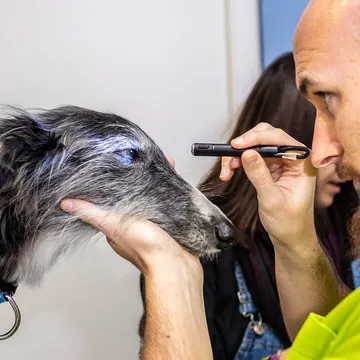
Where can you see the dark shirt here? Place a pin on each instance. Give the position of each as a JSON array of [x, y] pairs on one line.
[[226, 325]]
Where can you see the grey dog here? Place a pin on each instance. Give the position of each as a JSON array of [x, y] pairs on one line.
[[49, 155]]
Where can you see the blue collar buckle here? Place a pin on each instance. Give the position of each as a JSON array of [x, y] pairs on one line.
[[2, 297]]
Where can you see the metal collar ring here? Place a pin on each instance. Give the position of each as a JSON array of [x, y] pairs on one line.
[[17, 314]]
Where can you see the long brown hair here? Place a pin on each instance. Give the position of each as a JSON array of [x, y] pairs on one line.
[[275, 100]]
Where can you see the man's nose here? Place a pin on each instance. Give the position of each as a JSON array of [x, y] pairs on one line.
[[326, 148]]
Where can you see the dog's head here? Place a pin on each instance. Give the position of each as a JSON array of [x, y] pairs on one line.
[[102, 158]]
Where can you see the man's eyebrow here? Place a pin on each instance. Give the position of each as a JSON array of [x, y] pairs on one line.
[[305, 83]]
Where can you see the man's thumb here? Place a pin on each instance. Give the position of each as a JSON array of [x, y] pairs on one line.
[[91, 214], [258, 173]]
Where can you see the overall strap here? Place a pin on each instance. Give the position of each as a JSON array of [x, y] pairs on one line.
[[246, 304]]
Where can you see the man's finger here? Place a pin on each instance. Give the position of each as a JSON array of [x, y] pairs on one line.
[[171, 160], [235, 163], [259, 174], [91, 214], [259, 127], [226, 170], [264, 136]]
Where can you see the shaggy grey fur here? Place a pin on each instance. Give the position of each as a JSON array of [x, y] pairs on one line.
[[103, 158]]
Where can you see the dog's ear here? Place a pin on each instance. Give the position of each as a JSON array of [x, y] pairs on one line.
[[24, 140]]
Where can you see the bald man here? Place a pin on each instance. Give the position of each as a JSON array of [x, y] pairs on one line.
[[327, 56]]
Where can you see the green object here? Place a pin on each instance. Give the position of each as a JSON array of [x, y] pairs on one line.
[[334, 337]]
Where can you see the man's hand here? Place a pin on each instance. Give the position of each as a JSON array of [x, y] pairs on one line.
[[285, 188], [141, 242], [173, 280]]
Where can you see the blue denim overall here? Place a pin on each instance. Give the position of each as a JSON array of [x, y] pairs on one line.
[[355, 269], [259, 339]]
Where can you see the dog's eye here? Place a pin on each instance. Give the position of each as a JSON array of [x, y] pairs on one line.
[[130, 153]]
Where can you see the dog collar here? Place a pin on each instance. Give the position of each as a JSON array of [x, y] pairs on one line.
[[6, 288]]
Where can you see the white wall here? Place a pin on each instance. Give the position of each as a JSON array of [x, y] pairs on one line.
[[159, 63]]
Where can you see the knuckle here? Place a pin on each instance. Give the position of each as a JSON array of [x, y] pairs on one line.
[[263, 126], [280, 132], [234, 163]]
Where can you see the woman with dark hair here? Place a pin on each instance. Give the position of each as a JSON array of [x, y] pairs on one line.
[[241, 300]]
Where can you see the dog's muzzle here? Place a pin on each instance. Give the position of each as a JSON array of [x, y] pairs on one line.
[[226, 235]]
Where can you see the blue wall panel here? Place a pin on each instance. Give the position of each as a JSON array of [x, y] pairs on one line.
[[278, 22]]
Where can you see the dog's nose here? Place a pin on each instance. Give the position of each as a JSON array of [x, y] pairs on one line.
[[225, 233]]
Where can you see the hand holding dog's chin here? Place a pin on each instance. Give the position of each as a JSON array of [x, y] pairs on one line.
[[149, 248], [141, 242]]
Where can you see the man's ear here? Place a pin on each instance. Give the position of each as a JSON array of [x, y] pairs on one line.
[[24, 140]]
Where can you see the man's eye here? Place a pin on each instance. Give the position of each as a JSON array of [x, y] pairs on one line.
[[325, 97]]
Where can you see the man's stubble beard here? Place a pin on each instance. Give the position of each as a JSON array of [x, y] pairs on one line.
[[345, 172]]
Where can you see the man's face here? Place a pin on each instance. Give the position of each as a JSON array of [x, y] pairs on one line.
[[327, 57]]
